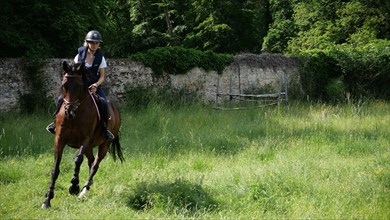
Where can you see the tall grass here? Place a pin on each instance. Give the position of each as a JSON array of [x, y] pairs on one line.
[[314, 161], [24, 134]]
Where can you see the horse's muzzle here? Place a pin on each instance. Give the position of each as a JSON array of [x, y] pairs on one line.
[[70, 114], [70, 111]]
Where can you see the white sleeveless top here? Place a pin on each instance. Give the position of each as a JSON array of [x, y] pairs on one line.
[[103, 64]]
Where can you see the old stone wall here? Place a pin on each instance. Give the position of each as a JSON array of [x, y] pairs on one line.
[[252, 71]]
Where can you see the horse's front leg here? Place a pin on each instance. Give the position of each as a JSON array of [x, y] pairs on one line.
[[74, 189], [103, 149], [58, 150]]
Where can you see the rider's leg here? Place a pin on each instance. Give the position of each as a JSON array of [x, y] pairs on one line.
[[52, 126], [105, 115]]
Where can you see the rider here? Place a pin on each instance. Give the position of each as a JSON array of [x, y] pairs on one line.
[[94, 60]]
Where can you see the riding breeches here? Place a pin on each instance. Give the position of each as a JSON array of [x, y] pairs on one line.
[[102, 95]]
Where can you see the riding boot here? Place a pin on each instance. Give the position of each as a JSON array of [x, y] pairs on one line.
[[108, 136], [52, 126]]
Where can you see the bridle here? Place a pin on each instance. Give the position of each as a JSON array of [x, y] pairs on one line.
[[71, 107]]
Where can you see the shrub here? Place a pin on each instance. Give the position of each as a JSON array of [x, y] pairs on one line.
[[179, 60], [335, 89], [366, 68], [363, 71], [317, 69]]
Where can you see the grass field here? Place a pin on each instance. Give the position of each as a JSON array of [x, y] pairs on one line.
[[315, 161]]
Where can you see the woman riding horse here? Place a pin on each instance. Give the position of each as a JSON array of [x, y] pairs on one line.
[[78, 123], [78, 126], [92, 56]]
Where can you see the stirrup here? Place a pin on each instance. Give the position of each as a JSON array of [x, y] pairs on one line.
[[108, 135], [51, 128]]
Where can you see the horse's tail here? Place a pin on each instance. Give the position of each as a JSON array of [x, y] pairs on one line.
[[116, 149]]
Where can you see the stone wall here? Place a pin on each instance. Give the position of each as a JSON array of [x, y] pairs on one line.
[[123, 74]]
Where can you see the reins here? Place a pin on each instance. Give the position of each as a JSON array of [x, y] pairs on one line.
[[77, 103]]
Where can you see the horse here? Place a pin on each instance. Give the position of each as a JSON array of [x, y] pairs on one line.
[[78, 126]]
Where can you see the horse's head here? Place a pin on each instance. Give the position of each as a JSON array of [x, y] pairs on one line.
[[74, 87]]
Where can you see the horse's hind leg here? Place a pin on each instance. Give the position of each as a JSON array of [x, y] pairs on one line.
[[103, 149]]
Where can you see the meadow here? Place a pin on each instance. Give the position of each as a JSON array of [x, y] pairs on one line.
[[315, 161]]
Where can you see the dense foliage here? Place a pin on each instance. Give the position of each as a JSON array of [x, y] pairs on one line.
[[343, 45], [227, 26], [178, 60], [131, 26], [341, 71], [47, 28]]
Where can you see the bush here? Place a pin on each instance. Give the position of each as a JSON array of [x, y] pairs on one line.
[[335, 89], [317, 69], [366, 68], [178, 60], [363, 71]]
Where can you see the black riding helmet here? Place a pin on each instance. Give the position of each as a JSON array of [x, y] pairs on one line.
[[94, 36]]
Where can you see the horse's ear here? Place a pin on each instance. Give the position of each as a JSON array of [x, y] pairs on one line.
[[65, 66]]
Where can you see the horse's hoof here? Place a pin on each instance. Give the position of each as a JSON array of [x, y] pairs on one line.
[[45, 206], [83, 193], [74, 189]]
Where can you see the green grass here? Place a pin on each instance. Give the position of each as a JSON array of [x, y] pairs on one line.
[[315, 161]]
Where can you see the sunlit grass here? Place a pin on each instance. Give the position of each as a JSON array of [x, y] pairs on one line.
[[314, 161]]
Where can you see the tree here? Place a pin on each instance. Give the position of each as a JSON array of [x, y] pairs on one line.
[[228, 25], [282, 27], [321, 24], [44, 28]]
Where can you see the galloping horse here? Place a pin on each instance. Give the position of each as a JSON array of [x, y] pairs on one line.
[[78, 126]]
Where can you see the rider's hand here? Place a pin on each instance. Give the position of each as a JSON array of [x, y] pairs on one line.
[[93, 87]]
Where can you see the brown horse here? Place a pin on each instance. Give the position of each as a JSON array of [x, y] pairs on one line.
[[78, 126]]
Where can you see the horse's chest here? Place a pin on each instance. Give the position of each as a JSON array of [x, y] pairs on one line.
[[74, 134]]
